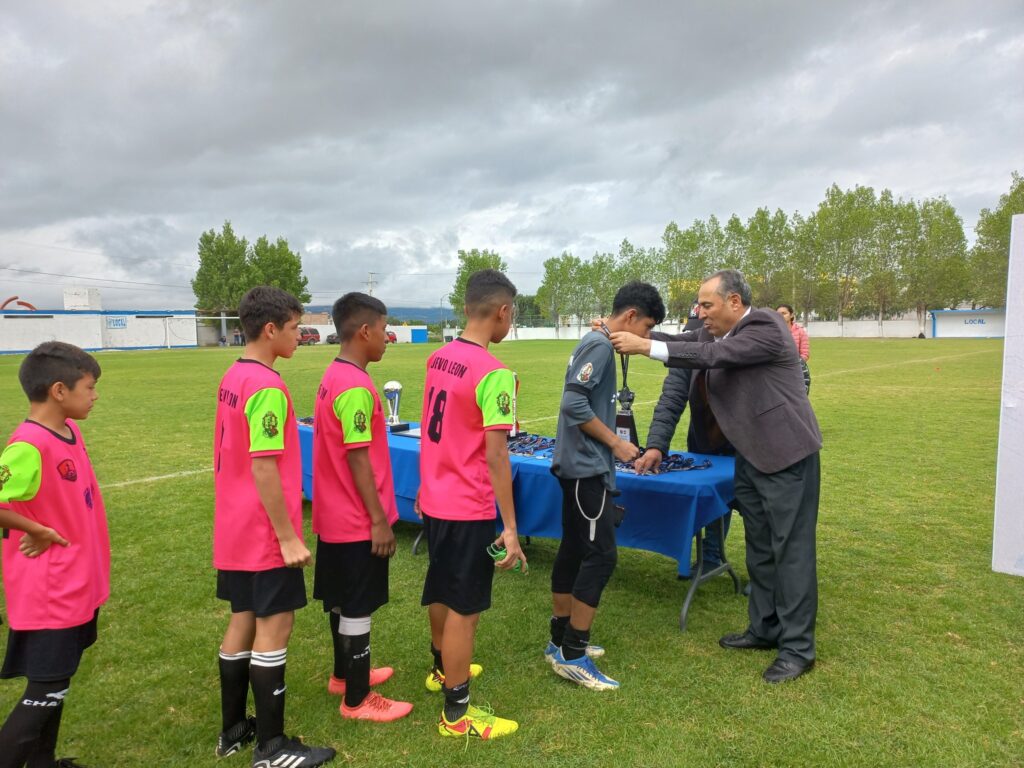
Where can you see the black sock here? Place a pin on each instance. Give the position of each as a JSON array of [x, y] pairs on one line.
[[266, 673], [438, 664], [575, 642], [357, 656], [31, 728], [234, 687], [456, 701], [339, 652], [558, 625]]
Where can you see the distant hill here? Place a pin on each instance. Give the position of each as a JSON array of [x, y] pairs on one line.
[[427, 315]]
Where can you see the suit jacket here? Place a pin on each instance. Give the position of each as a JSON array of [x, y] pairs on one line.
[[755, 388]]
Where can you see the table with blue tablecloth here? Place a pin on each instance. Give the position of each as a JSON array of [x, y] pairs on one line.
[[664, 513]]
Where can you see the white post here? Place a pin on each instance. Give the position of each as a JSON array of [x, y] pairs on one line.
[[1008, 536]]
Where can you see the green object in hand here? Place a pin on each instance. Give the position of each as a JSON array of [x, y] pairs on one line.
[[499, 553]]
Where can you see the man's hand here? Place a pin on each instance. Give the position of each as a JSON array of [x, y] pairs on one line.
[[513, 552], [295, 553], [597, 324], [630, 344], [382, 539], [34, 544], [648, 462], [623, 450]]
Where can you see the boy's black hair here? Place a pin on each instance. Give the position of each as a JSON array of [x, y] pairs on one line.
[[486, 290], [352, 310], [643, 297], [54, 361], [266, 304]]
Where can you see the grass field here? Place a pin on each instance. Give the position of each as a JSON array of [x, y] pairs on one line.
[[921, 660]]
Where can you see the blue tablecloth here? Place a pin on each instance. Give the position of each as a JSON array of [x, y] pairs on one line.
[[663, 512]]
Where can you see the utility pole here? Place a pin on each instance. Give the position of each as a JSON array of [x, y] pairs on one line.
[[370, 283]]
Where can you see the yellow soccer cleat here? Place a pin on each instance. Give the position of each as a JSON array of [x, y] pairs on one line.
[[435, 680], [477, 723]]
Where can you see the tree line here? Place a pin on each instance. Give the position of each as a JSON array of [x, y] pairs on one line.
[[859, 254]]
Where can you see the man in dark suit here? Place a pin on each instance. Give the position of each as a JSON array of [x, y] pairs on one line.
[[703, 436], [748, 372]]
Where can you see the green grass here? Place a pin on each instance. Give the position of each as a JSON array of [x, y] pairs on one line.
[[920, 659]]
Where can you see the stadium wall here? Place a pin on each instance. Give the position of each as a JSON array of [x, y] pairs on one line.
[[22, 330]]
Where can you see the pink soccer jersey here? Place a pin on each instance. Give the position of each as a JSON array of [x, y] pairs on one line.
[[49, 478], [254, 418], [348, 415], [467, 392]]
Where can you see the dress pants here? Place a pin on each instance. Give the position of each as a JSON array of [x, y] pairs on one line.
[[780, 513]]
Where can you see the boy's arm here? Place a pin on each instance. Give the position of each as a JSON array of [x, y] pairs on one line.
[[589, 366], [382, 538], [20, 475], [267, 414], [268, 484], [623, 450], [499, 467], [37, 538]]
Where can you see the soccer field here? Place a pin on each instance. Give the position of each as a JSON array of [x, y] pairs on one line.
[[920, 659]]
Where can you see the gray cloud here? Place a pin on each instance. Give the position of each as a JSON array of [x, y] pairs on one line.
[[383, 137]]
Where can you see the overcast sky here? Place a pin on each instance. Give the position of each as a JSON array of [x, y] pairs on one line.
[[384, 136]]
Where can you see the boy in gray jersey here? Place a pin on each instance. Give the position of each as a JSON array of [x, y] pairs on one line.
[[584, 463]]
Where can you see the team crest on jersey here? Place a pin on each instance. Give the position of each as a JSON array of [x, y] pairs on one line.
[[270, 424], [67, 470], [504, 403], [5, 475], [585, 373], [359, 420]]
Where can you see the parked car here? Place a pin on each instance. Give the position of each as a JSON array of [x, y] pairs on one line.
[[392, 338], [332, 338], [308, 335]]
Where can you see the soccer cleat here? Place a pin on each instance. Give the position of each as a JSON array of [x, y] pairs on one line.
[[233, 739], [283, 752], [582, 671], [593, 651], [378, 675], [435, 680], [377, 708], [477, 723]]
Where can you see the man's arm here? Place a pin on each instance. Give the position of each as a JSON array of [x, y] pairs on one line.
[[675, 393], [267, 478], [499, 467], [382, 538]]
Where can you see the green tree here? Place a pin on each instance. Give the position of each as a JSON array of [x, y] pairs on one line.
[[845, 231], [276, 264], [936, 272], [229, 266], [470, 262], [222, 278], [990, 257], [553, 296], [602, 278], [769, 249], [528, 312], [897, 238]]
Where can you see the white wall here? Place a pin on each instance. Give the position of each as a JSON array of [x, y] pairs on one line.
[[866, 329], [88, 330], [967, 324]]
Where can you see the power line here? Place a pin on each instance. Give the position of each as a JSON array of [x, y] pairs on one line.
[[99, 279]]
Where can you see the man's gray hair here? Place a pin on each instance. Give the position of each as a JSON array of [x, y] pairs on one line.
[[732, 281]]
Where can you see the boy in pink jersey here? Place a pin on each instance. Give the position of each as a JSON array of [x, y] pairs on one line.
[[258, 549], [354, 506], [49, 495], [468, 411]]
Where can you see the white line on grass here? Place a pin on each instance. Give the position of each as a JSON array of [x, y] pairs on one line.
[[155, 478], [899, 363]]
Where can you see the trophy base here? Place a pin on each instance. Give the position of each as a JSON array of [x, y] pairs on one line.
[[402, 426]]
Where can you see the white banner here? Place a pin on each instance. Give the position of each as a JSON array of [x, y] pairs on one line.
[[1008, 537]]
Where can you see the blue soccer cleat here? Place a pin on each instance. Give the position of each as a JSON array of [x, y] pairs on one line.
[[582, 671]]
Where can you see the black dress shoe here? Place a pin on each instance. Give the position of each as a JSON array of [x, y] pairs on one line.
[[782, 670], [744, 641]]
